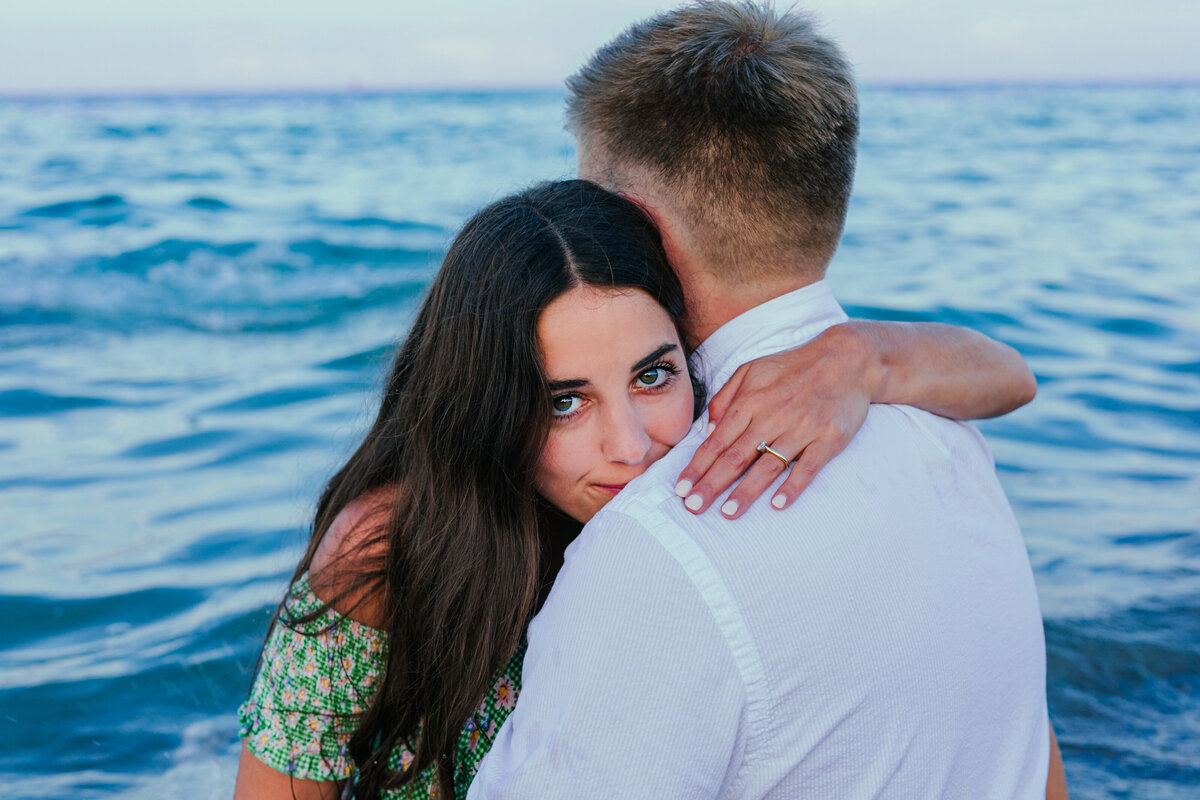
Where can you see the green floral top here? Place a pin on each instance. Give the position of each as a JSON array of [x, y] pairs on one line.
[[317, 677]]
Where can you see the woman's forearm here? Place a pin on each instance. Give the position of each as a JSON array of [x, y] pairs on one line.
[[952, 371]]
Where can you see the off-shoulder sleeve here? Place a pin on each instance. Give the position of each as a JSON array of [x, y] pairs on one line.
[[315, 678]]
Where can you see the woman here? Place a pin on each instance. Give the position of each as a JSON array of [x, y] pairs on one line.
[[544, 371]]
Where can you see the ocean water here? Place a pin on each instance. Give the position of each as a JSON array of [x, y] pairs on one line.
[[197, 296]]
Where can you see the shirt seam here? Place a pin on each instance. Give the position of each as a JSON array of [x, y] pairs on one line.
[[726, 615]]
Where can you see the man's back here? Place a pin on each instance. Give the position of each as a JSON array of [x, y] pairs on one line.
[[890, 614], [880, 637]]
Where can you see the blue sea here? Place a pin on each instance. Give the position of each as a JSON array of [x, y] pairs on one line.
[[197, 295]]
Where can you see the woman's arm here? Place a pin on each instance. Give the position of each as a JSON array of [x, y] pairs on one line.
[[947, 370], [1056, 782], [808, 403], [297, 672], [257, 781]]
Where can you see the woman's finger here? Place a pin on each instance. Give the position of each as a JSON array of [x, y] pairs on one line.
[[719, 403], [726, 468], [811, 461], [762, 473], [720, 439]]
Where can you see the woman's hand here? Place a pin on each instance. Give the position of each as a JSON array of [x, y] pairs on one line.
[[808, 403]]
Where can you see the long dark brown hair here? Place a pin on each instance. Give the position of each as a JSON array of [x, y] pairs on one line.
[[469, 547]]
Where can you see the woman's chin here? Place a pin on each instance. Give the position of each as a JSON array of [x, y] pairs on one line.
[[584, 514], [587, 502]]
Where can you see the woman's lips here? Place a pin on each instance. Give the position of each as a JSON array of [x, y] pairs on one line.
[[610, 488]]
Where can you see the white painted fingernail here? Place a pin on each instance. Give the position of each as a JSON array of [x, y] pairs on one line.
[[730, 508], [709, 428], [683, 487], [778, 501], [694, 502]]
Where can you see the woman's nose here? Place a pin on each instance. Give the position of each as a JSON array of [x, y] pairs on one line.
[[625, 437]]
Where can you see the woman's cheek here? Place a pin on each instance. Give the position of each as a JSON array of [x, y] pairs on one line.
[[555, 467], [682, 413]]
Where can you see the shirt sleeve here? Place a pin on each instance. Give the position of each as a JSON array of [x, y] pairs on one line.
[[315, 678], [629, 688]]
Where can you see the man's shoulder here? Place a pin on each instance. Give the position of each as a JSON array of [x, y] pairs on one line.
[[957, 439]]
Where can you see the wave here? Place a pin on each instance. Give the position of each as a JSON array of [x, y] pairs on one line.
[[324, 252], [381, 222], [216, 287], [1121, 689], [206, 450], [167, 251], [34, 403], [132, 131], [209, 204], [279, 398], [1185, 415], [102, 211], [371, 358], [71, 208]]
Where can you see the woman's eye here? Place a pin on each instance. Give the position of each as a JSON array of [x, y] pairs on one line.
[[655, 376], [565, 404]]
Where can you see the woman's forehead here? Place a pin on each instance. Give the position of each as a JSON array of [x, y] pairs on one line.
[[591, 329]]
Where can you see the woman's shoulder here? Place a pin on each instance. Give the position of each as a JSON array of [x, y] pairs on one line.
[[348, 563]]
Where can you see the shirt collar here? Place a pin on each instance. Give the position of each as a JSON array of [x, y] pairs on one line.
[[779, 324]]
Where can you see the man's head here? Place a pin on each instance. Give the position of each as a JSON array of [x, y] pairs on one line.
[[741, 121]]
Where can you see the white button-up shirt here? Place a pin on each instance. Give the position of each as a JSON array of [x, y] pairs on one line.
[[879, 638]]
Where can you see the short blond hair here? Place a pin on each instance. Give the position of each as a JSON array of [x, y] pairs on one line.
[[747, 116]]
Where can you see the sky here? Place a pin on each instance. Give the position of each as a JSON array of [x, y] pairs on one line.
[[106, 46]]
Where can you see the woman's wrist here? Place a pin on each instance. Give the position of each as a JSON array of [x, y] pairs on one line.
[[861, 342]]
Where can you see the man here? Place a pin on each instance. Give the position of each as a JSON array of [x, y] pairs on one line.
[[880, 635]]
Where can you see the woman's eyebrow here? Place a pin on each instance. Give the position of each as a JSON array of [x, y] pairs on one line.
[[655, 356], [579, 383]]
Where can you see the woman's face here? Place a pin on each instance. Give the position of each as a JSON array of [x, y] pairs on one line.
[[620, 393]]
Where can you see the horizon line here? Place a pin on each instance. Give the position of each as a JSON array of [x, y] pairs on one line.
[[361, 90]]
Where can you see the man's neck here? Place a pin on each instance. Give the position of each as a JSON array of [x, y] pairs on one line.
[[710, 299], [711, 302]]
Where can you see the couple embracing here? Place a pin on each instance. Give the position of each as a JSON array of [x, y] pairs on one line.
[[531, 581]]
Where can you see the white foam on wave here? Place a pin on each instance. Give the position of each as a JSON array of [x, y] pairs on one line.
[[203, 766]]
